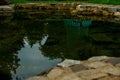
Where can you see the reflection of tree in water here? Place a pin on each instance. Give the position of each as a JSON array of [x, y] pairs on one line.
[[77, 36], [75, 42], [56, 46], [34, 31], [11, 40], [56, 43], [105, 39], [98, 42], [77, 31]]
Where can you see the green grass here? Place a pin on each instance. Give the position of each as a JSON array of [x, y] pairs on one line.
[[18, 1], [113, 2]]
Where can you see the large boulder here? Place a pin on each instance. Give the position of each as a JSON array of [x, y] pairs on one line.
[[5, 2]]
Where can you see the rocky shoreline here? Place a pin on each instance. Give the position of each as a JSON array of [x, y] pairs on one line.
[[74, 8], [91, 11], [95, 68]]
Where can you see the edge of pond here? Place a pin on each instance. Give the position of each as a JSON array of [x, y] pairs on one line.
[[101, 68]]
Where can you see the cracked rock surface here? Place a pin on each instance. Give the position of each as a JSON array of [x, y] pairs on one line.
[[95, 68]]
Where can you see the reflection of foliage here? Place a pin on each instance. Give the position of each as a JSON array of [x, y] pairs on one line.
[[109, 41], [34, 30], [18, 1], [80, 44], [42, 15], [56, 37], [11, 40]]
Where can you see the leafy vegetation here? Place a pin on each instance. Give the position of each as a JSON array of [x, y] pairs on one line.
[[115, 2], [19, 1]]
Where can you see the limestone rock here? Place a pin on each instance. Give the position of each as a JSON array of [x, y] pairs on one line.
[[94, 76], [73, 11], [80, 8], [118, 65], [98, 58], [78, 67], [112, 9], [69, 77], [38, 78], [117, 14], [68, 62], [95, 68], [105, 13], [113, 61], [96, 11], [56, 72], [53, 74], [110, 78], [6, 8], [91, 74], [110, 70], [95, 64]]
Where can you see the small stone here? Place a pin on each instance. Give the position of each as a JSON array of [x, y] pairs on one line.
[[112, 9], [96, 11], [80, 7], [74, 11], [105, 13], [117, 14]]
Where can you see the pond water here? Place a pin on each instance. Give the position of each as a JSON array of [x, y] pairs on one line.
[[29, 47]]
